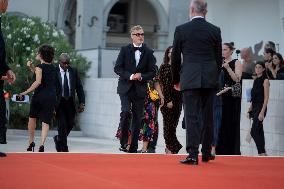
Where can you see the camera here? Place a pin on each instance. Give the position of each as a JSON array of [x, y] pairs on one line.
[[238, 52]]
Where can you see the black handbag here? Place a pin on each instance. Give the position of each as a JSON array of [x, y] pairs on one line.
[[237, 90]]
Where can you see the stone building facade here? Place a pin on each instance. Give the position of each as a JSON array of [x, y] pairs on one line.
[[105, 23]]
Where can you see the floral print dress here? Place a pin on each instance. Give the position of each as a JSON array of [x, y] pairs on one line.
[[150, 120]]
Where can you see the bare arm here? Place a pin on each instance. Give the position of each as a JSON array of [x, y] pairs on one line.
[[158, 88], [266, 98], [4, 78], [36, 83], [236, 76]]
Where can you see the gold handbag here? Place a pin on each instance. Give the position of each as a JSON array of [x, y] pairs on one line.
[[153, 93]]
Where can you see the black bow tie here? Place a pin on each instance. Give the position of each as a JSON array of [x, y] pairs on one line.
[[137, 48]]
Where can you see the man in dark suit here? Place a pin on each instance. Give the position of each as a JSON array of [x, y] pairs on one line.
[[200, 45], [135, 65], [5, 74], [68, 82]]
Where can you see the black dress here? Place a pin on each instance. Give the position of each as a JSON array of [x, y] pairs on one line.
[[257, 99], [44, 97], [229, 136]]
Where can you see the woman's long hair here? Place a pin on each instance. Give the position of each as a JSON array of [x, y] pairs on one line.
[[281, 61], [166, 55]]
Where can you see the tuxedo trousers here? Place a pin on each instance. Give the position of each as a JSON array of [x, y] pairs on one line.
[[3, 119], [131, 102], [65, 120], [198, 129]]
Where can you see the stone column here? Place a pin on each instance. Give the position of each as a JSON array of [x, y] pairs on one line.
[[54, 7], [178, 14], [89, 26]]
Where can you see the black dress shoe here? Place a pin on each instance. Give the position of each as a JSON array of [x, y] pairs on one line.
[[190, 161], [207, 158], [2, 154], [57, 145], [65, 149]]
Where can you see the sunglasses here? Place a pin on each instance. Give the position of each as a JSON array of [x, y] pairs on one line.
[[138, 34], [65, 62]]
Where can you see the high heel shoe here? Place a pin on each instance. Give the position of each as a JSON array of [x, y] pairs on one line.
[[31, 147], [41, 148]]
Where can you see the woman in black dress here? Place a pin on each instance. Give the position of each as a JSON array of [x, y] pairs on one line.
[[258, 107], [44, 97], [229, 136], [173, 104]]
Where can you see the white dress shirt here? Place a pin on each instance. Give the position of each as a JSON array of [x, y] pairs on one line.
[[137, 57], [137, 54], [196, 17], [62, 72]]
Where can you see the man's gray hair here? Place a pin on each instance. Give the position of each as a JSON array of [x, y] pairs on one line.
[[64, 56], [199, 6], [135, 28]]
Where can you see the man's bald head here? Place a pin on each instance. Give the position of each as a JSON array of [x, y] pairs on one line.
[[198, 8], [246, 54]]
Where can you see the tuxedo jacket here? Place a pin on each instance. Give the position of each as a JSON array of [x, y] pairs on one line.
[[75, 86], [126, 66], [3, 66], [200, 44]]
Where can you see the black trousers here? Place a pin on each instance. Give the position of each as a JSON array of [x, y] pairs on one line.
[[170, 122], [3, 119], [257, 132], [198, 130], [65, 116], [131, 102]]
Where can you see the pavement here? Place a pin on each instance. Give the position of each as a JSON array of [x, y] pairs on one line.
[[17, 141]]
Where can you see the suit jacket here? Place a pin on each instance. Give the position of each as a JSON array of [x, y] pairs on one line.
[[126, 66], [75, 86], [200, 44], [3, 66]]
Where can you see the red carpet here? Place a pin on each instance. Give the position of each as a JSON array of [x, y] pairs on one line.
[[139, 171]]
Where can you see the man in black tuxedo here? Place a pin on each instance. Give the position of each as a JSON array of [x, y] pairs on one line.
[[68, 82], [5, 74], [135, 65], [200, 45]]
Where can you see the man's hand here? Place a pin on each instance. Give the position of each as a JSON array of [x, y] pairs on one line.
[[81, 108], [137, 76], [177, 87], [170, 105], [11, 77]]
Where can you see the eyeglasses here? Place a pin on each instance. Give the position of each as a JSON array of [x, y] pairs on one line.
[[138, 34]]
